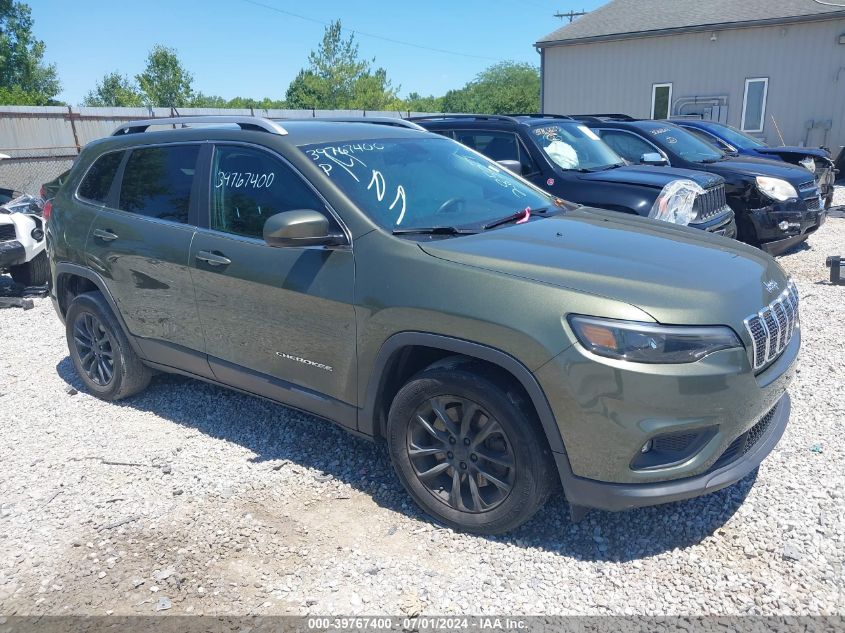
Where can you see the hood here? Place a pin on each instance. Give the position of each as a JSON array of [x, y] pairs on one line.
[[753, 167], [799, 152], [676, 274], [652, 176]]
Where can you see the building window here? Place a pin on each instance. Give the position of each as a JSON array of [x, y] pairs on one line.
[[754, 104], [661, 101]]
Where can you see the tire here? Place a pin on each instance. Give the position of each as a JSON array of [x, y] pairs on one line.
[[515, 454], [35, 272], [100, 351]]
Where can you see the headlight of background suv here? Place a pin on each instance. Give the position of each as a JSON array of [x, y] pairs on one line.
[[808, 163], [675, 202], [775, 188], [651, 343]]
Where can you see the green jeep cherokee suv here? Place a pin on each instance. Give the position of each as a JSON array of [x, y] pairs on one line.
[[407, 288]]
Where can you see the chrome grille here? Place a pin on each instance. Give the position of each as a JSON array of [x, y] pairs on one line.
[[772, 328], [710, 203], [813, 204]]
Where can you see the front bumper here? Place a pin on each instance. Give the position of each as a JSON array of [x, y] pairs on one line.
[[12, 253], [607, 410], [722, 224], [608, 496], [800, 220]]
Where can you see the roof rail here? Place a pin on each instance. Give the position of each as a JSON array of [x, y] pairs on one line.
[[586, 117], [245, 122], [378, 120], [477, 117], [541, 115], [614, 116]]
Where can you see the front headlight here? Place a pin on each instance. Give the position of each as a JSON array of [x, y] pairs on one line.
[[675, 202], [775, 188], [651, 343], [808, 163]]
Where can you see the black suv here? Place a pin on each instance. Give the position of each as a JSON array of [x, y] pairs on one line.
[[776, 205], [567, 159]]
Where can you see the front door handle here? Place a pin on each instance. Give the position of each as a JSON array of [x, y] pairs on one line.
[[213, 259], [106, 236]]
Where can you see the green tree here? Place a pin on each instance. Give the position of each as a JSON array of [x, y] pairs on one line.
[[502, 88], [165, 82], [415, 102], [24, 78], [337, 78], [115, 90]]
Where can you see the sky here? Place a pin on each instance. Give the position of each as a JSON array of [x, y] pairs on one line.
[[250, 48]]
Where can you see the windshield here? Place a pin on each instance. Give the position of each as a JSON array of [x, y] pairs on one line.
[[424, 182], [575, 147], [737, 138], [684, 144]]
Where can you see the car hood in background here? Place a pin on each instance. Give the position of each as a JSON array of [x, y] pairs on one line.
[[676, 274], [799, 152], [754, 167], [652, 176]]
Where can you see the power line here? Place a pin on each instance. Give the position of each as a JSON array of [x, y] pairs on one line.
[[371, 35]]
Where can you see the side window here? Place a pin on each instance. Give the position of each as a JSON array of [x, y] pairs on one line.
[[248, 186], [97, 182], [495, 145], [157, 182], [529, 167], [707, 138], [628, 146]]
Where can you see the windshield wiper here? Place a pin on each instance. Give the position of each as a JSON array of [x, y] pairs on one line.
[[519, 216], [707, 161], [433, 230], [608, 167]]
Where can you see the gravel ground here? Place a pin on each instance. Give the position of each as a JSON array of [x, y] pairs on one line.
[[194, 499]]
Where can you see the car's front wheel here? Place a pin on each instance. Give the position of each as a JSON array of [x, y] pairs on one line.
[[35, 272], [468, 450], [100, 351]]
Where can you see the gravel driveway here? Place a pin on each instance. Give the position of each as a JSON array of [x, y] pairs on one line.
[[194, 499]]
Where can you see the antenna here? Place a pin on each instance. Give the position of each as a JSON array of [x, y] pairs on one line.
[[570, 14]]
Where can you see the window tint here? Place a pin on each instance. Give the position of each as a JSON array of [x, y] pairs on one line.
[[628, 146], [248, 186], [707, 138], [157, 182], [97, 182], [495, 145]]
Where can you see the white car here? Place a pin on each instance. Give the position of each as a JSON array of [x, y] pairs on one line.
[[22, 246]]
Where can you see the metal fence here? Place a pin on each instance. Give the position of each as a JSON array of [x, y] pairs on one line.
[[39, 143]]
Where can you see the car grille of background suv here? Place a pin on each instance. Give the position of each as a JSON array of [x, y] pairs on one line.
[[710, 203], [772, 327], [813, 204], [745, 442], [7, 232]]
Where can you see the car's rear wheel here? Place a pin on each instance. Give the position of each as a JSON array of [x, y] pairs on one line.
[[468, 450], [100, 351], [35, 272]]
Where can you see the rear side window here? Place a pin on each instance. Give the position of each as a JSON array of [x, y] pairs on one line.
[[495, 145], [248, 186], [157, 182], [97, 182]]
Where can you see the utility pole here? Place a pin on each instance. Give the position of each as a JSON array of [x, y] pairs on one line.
[[570, 14]]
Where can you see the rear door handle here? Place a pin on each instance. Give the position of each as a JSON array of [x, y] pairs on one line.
[[213, 259], [106, 236]]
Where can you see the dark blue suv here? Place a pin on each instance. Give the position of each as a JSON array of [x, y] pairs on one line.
[[737, 143]]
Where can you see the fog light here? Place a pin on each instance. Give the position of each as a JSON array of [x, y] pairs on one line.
[[646, 447], [37, 235], [783, 225]]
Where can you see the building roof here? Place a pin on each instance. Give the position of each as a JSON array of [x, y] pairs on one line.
[[621, 19]]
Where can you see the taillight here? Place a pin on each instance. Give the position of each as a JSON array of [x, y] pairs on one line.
[[47, 210]]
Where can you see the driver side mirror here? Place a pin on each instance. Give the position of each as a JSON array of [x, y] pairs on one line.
[[302, 227], [511, 165], [653, 158]]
